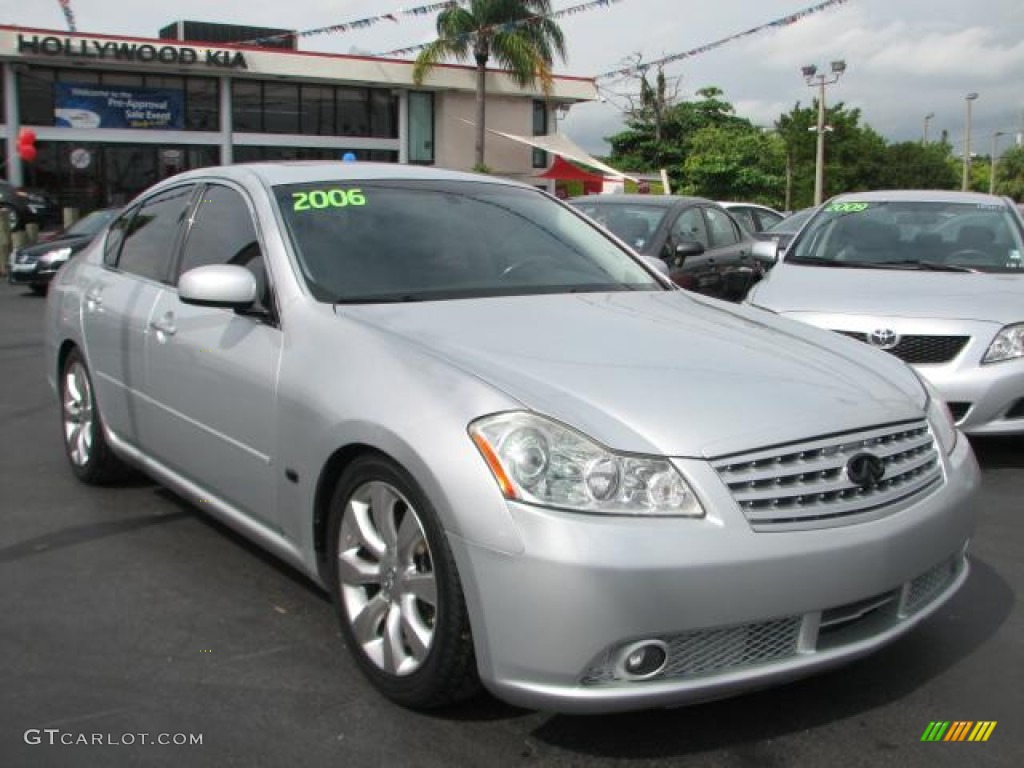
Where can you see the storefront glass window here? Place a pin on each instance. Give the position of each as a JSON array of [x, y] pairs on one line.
[[280, 108], [317, 110], [247, 106], [421, 128], [383, 114], [353, 112]]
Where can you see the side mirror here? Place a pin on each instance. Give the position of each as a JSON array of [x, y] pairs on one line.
[[685, 248], [766, 251], [218, 285], [656, 264]]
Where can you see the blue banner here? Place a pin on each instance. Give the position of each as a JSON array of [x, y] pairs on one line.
[[83, 105]]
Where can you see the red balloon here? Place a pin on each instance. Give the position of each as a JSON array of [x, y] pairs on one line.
[[27, 152], [26, 136]]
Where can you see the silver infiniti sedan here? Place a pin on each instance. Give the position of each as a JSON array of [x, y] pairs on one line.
[[934, 278], [512, 452]]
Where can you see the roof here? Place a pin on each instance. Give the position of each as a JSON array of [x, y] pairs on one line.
[[920, 196], [300, 171], [660, 201], [563, 170]]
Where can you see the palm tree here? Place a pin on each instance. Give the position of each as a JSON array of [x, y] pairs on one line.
[[487, 28]]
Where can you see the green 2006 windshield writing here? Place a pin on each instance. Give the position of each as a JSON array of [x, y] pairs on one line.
[[326, 198]]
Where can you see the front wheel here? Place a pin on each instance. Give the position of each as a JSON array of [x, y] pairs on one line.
[[396, 589], [84, 444]]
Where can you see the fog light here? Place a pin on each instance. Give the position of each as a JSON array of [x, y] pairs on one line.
[[642, 660]]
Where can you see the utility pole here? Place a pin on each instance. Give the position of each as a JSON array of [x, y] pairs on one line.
[[819, 81], [924, 139], [992, 177], [966, 181]]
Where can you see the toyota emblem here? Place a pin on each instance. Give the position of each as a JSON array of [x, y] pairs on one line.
[[865, 470], [883, 338]]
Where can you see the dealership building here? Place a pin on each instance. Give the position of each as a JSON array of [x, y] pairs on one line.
[[113, 115]]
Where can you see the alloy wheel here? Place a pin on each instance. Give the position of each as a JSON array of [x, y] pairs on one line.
[[78, 414], [387, 579]]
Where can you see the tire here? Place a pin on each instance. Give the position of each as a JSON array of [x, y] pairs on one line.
[[90, 457], [398, 596]]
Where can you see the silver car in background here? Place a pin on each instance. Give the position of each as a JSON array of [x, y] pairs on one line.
[[934, 278], [509, 449]]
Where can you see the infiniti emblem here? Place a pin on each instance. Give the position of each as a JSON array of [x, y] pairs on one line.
[[865, 470], [883, 338]]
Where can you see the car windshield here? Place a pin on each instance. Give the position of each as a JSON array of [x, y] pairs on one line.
[[383, 240], [792, 223], [91, 224], [946, 236], [633, 223]]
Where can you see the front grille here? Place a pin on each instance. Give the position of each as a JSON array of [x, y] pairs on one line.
[[710, 651], [930, 584], [706, 653], [806, 484], [921, 349]]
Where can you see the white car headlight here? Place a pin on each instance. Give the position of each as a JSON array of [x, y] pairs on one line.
[[1007, 345], [939, 417], [57, 254], [539, 461]]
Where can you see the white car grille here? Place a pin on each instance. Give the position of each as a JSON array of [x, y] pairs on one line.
[[809, 484]]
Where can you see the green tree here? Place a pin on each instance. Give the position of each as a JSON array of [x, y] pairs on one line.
[[736, 162], [486, 29], [854, 154], [651, 142], [912, 165], [1010, 174]]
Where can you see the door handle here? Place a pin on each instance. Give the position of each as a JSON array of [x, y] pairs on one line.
[[165, 325]]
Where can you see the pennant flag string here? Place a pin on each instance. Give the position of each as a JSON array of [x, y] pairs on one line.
[[369, 21], [511, 25], [69, 16], [776, 24]]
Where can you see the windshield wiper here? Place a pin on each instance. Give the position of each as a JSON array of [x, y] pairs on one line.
[[392, 298], [929, 266], [818, 262]]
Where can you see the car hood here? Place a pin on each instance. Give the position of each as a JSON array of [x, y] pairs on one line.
[[74, 242], [660, 372], [892, 293]]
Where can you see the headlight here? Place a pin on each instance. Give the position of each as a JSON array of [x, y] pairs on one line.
[[1007, 345], [939, 417], [539, 461], [57, 254]]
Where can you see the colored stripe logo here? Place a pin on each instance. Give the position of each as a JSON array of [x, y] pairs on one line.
[[959, 730]]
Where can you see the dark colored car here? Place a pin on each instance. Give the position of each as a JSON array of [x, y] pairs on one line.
[[705, 249], [35, 265], [783, 232]]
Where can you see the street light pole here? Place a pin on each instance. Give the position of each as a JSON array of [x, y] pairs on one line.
[[992, 177], [965, 182], [814, 79], [927, 117]]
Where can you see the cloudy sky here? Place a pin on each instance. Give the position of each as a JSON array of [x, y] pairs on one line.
[[905, 58]]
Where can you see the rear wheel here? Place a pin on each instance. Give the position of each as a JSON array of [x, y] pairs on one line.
[[396, 590], [84, 444]]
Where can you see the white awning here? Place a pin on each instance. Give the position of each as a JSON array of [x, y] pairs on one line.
[[559, 144]]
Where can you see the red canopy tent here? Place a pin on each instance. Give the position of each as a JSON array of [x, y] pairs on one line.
[[562, 170]]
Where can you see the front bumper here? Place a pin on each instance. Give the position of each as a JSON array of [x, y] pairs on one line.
[[35, 273], [737, 609]]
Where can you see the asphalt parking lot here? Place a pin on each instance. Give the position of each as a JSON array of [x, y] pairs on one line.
[[127, 616]]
